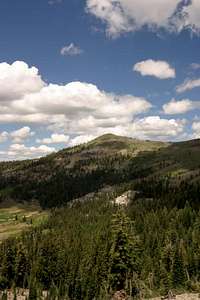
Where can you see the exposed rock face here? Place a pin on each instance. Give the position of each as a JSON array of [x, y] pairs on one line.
[[125, 198]]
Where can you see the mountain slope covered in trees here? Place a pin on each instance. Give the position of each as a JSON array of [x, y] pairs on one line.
[[106, 161], [91, 248]]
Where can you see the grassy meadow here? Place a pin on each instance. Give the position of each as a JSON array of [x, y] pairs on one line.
[[15, 218]]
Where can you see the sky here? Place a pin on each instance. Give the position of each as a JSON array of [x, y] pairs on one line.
[[72, 70]]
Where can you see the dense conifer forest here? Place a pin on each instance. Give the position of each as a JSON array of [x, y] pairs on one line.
[[90, 248]]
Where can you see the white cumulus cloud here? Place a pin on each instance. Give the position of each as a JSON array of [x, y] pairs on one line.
[[64, 104], [17, 79], [121, 16], [180, 107], [160, 69], [154, 127], [18, 136]]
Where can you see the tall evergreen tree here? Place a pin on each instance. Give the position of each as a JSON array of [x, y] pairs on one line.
[[178, 270], [121, 252]]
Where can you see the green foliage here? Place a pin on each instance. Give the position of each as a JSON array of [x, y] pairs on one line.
[[91, 248], [178, 272], [121, 251], [73, 172], [33, 293]]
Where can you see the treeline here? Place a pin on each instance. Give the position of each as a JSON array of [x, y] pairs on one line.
[[93, 249]]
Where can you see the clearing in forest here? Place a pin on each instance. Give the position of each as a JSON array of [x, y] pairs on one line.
[[15, 219]]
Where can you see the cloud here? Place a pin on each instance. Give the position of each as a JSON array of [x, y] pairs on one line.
[[188, 85], [74, 112], [18, 136], [122, 16], [13, 117], [191, 16], [17, 80], [20, 151], [196, 130], [71, 50], [154, 127], [3, 136], [195, 66], [54, 139], [180, 107], [151, 127], [159, 69], [73, 101], [81, 139]]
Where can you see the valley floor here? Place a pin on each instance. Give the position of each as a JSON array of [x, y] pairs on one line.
[[16, 218]]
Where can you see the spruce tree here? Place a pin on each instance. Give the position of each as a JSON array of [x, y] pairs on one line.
[[165, 282], [178, 270], [121, 252], [22, 266]]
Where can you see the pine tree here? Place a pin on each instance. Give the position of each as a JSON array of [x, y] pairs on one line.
[[178, 270], [7, 265], [21, 266], [121, 252], [166, 267], [165, 282]]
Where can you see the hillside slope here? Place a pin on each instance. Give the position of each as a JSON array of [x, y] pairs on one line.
[[108, 160], [90, 249]]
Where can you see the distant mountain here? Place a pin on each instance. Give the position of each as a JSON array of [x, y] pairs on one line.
[[109, 160]]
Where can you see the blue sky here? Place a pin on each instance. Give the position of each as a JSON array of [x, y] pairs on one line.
[[71, 70]]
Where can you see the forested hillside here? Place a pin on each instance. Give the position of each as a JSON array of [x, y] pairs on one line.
[[90, 248], [107, 161], [93, 249], [73, 172]]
